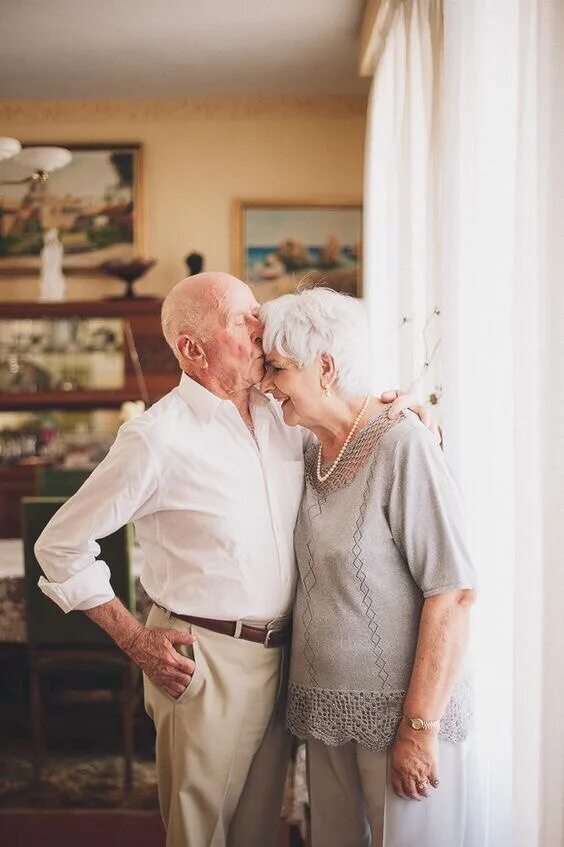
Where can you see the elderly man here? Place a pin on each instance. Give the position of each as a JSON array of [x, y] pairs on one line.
[[212, 479]]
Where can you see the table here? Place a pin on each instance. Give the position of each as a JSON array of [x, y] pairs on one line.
[[12, 590]]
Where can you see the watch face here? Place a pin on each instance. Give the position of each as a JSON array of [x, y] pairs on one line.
[[417, 723]]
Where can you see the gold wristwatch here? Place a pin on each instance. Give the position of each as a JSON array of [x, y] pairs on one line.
[[420, 724]]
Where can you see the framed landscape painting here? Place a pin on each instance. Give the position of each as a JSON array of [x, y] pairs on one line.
[[277, 245], [95, 203]]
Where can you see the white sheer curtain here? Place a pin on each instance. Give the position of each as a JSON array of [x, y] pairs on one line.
[[551, 226], [491, 309], [477, 253], [401, 196]]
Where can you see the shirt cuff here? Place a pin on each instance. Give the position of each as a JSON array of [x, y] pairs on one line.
[[89, 588]]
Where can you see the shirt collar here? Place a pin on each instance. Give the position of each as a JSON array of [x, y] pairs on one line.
[[203, 403]]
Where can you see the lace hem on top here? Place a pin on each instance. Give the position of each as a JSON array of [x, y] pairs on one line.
[[370, 718]]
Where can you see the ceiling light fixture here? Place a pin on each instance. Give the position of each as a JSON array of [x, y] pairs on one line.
[[41, 160]]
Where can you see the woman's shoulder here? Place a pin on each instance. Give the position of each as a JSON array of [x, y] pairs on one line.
[[407, 433]]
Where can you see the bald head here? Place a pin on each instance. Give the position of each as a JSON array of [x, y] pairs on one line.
[[196, 304], [210, 322]]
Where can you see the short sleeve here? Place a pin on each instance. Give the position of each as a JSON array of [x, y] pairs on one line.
[[426, 516]]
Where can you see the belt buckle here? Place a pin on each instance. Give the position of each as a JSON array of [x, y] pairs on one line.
[[271, 631]]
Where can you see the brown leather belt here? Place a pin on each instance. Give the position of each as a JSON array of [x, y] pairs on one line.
[[267, 635]]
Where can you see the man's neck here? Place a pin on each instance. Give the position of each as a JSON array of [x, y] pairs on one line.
[[241, 399], [242, 402]]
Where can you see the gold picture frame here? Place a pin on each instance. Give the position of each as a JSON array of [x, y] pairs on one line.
[[278, 243], [96, 202]]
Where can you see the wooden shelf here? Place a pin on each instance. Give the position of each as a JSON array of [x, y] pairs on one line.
[[119, 308], [94, 399]]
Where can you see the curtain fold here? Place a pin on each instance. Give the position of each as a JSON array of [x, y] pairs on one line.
[[480, 310], [452, 194], [551, 227], [401, 198]]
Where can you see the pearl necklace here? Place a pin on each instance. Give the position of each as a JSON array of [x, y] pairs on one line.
[[322, 477]]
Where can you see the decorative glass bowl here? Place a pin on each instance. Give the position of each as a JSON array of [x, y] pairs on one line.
[[129, 272]]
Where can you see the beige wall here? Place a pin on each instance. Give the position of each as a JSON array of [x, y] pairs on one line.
[[198, 158]]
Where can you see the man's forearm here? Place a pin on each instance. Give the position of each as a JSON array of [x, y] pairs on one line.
[[442, 642], [118, 622]]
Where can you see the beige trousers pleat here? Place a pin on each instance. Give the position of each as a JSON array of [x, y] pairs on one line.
[[353, 803], [222, 750]]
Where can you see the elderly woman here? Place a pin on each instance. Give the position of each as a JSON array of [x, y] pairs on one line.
[[377, 682]]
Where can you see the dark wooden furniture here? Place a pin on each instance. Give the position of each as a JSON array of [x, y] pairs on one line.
[[69, 649], [59, 482], [16, 481]]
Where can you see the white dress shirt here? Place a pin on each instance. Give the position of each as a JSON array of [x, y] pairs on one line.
[[214, 511]]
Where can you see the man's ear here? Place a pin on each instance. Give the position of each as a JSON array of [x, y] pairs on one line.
[[191, 351], [328, 371]]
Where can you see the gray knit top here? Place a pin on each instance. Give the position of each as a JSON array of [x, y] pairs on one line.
[[384, 533]]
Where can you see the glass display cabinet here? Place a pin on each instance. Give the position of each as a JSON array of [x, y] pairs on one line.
[[83, 354], [61, 354], [70, 373]]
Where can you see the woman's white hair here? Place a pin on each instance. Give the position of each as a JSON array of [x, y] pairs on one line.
[[304, 325]]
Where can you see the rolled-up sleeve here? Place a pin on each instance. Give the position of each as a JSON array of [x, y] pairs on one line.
[[426, 516], [122, 487]]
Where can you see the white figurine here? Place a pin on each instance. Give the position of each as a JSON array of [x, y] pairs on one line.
[[53, 284]]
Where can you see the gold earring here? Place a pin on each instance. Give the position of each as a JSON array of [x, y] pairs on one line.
[[327, 392]]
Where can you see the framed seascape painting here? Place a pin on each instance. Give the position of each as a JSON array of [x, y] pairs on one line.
[[277, 245], [95, 203]]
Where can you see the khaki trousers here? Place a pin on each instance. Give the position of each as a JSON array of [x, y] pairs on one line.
[[353, 803], [222, 749]]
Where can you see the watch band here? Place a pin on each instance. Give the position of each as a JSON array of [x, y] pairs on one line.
[[419, 724]]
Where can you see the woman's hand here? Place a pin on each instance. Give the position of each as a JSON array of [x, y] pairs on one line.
[[414, 763]]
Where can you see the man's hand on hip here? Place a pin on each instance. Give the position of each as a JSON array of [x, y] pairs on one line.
[[154, 650]]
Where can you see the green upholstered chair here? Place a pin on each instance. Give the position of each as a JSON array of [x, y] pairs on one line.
[[59, 482], [69, 650]]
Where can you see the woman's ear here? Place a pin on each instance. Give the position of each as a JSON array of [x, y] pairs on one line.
[[191, 351], [328, 371]]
